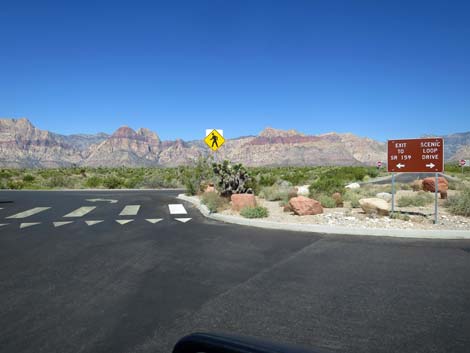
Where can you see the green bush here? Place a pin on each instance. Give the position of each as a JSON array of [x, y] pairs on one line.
[[93, 182], [352, 197], [327, 201], [113, 182], [421, 199], [214, 202], [15, 184], [192, 186], [28, 178], [405, 187], [193, 178], [57, 181], [154, 182], [5, 173], [460, 205], [267, 179], [254, 212], [131, 183], [325, 185]]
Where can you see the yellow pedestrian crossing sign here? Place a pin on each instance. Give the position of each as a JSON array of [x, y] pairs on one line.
[[214, 140]]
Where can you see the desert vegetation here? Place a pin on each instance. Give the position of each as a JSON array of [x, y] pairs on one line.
[[278, 184]]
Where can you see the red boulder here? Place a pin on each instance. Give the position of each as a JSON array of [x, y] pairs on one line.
[[240, 201], [428, 184], [303, 206]]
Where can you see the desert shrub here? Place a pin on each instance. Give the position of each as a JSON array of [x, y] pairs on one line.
[[15, 184], [57, 181], [453, 185], [352, 197], [326, 185], [193, 178], [4, 173], [192, 186], [153, 182], [333, 179], [93, 182], [254, 212], [421, 199], [272, 193], [131, 183], [113, 182], [214, 202], [405, 187], [253, 185], [460, 205], [28, 178], [327, 201], [267, 179]]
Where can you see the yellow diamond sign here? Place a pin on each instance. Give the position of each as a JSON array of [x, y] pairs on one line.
[[214, 140]]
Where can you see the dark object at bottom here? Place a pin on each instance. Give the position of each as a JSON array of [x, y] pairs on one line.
[[6, 201], [221, 343]]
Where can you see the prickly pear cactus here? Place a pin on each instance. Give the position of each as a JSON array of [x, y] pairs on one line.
[[232, 178]]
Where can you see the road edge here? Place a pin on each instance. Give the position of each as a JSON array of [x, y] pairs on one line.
[[337, 230]]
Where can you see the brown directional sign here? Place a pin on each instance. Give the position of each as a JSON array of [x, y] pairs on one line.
[[416, 155]]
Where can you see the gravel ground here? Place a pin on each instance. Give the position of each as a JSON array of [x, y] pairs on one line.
[[355, 217]]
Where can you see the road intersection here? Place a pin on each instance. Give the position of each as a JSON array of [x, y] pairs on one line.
[[84, 215], [139, 286]]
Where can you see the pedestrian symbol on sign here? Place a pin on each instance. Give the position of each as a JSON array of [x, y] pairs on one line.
[[214, 139]]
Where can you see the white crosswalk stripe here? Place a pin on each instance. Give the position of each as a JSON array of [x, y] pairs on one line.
[[177, 208], [123, 221], [30, 212], [153, 220], [92, 223], [60, 224], [130, 210], [183, 220], [80, 212], [26, 225]]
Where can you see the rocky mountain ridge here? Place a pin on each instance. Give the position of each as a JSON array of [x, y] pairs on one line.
[[23, 145]]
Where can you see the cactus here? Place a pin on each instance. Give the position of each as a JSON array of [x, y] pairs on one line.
[[232, 178]]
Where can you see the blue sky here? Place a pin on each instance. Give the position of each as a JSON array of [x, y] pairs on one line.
[[384, 69]]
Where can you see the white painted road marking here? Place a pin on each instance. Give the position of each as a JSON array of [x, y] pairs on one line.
[[124, 221], [28, 213], [104, 200], [153, 220], [3, 224], [92, 223], [26, 225], [60, 224], [80, 212], [183, 220], [177, 208], [130, 210]]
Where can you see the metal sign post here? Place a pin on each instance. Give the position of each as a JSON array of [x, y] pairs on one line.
[[436, 187], [416, 156], [464, 163], [214, 140], [393, 193]]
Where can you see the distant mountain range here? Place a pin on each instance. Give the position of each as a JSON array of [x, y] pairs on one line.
[[22, 145]]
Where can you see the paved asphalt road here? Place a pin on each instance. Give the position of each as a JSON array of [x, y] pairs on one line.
[[406, 178], [139, 286]]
